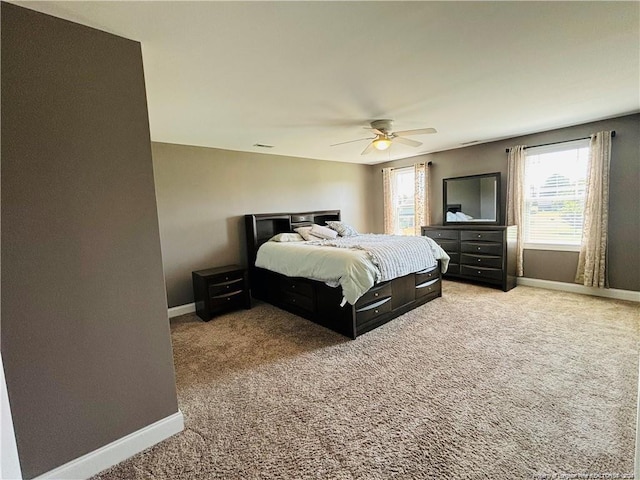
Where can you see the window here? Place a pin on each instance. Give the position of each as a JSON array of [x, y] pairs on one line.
[[404, 201], [555, 181]]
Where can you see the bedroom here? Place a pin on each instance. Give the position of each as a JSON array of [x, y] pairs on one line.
[[200, 215]]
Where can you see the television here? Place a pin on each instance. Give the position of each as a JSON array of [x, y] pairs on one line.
[[471, 200]]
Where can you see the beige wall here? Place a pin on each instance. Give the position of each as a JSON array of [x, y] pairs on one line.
[[624, 201], [85, 334], [203, 193]]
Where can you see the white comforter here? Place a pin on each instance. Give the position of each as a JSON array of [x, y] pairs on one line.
[[351, 267]]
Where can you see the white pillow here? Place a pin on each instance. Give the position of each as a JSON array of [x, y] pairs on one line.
[[323, 232], [305, 232], [287, 237], [343, 229]]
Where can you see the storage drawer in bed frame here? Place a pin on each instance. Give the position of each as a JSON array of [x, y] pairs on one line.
[[320, 303]]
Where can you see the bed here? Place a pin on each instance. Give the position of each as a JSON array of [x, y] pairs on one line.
[[331, 304]]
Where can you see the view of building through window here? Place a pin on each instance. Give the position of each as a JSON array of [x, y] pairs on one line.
[[555, 181]]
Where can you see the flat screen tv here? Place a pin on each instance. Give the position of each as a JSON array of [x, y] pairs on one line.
[[471, 200]]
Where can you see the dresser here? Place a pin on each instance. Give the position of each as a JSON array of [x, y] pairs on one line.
[[221, 289], [485, 254]]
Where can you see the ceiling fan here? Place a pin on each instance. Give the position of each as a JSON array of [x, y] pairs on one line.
[[385, 136]]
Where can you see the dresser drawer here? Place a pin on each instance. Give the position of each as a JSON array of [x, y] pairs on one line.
[[297, 300], [377, 292], [449, 246], [226, 286], [482, 248], [480, 235], [369, 312], [427, 275], [299, 287], [432, 286], [481, 272], [454, 269], [441, 234], [481, 260]]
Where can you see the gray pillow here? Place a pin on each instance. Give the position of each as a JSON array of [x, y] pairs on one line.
[[343, 229]]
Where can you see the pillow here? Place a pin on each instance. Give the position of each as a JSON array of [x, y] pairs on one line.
[[287, 237], [343, 229], [323, 232], [305, 232]]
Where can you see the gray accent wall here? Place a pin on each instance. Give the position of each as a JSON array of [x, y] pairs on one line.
[[204, 193], [85, 333], [624, 195]]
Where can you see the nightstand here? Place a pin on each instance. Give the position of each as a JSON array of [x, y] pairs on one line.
[[221, 289]]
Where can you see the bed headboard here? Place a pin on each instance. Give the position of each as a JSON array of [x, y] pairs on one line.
[[261, 227]]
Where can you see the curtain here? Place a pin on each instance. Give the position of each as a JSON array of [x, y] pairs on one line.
[[515, 198], [421, 197], [388, 193], [592, 261]]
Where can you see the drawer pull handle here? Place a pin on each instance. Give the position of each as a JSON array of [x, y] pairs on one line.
[[479, 260], [226, 278], [439, 234], [293, 300], [479, 271], [293, 286], [478, 248], [228, 298], [375, 311], [479, 235], [375, 294]]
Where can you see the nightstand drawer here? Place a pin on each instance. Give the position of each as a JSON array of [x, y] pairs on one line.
[[227, 300], [227, 286]]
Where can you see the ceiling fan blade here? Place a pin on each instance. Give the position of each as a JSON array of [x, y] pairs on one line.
[[420, 131], [375, 130], [369, 149], [351, 141], [406, 141]]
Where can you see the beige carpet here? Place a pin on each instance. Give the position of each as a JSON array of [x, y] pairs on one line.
[[479, 384]]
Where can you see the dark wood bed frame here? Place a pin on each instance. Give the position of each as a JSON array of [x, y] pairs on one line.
[[317, 301]]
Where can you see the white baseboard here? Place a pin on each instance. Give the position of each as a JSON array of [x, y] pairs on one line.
[[182, 310], [629, 295], [94, 462]]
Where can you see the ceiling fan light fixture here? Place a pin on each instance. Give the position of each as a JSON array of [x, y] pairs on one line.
[[381, 143]]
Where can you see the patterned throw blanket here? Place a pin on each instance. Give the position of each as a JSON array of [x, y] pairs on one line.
[[394, 255]]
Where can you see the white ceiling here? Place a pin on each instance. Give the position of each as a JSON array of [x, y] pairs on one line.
[[304, 75]]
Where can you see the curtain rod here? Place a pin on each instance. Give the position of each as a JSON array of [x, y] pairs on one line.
[[613, 134], [428, 165]]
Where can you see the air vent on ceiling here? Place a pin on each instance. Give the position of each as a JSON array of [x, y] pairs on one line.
[[469, 143], [262, 145]]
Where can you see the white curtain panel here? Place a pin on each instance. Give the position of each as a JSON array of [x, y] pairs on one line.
[[421, 196], [515, 198], [592, 262], [389, 211]]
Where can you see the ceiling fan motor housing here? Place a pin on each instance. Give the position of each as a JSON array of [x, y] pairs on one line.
[[382, 125]]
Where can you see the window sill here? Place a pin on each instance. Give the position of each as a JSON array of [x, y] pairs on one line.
[[552, 247]]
